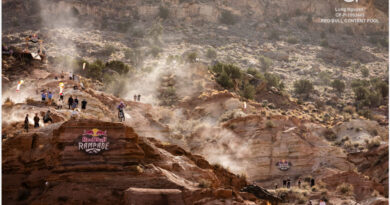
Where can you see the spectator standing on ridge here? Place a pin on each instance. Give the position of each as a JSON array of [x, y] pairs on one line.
[[70, 101], [76, 101], [47, 117], [135, 97], [139, 98], [60, 103], [43, 96], [36, 120], [26, 122], [70, 76], [50, 96], [84, 104], [121, 114], [299, 183]]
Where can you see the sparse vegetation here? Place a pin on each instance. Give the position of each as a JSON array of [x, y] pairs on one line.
[[324, 43], [265, 62], [163, 12], [227, 17], [345, 189], [338, 86], [269, 124], [303, 87], [191, 57], [249, 91], [211, 53]]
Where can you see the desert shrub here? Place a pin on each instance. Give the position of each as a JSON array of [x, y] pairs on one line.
[[168, 96], [231, 114], [338, 85], [383, 41], [227, 17], [365, 113], [95, 70], [163, 12], [191, 57], [8, 102], [269, 124], [273, 80], [303, 87], [265, 62], [249, 91], [330, 134], [107, 50], [225, 81], [365, 72], [211, 53], [324, 43], [345, 189], [292, 40], [118, 66], [372, 143], [375, 99], [380, 86]]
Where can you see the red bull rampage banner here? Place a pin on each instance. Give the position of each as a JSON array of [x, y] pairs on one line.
[[93, 141]]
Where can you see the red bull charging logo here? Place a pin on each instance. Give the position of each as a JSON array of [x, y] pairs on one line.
[[93, 141]]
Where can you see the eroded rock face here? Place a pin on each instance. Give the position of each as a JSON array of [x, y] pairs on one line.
[[52, 168]]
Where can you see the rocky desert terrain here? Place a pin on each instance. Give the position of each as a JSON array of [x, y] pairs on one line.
[[236, 97]]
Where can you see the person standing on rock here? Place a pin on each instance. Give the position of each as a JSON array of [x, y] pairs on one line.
[[50, 96], [84, 104], [139, 98], [26, 123], [70, 101], [135, 97], [43, 96], [36, 120], [70, 76], [47, 117], [76, 101], [284, 183], [299, 183], [288, 183], [312, 182]]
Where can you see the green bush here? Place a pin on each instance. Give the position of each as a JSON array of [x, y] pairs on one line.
[[273, 80], [324, 43], [249, 91], [338, 85], [118, 66], [163, 12], [225, 81], [227, 17], [108, 49], [292, 40], [346, 189], [265, 62], [191, 57], [303, 87], [211, 53]]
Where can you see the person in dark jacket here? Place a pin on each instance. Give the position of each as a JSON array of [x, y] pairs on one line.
[[47, 117], [139, 98], [135, 97], [84, 104], [26, 123], [76, 101], [43, 96], [36, 120], [70, 102]]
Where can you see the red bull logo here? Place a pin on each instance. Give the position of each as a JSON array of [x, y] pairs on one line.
[[93, 141]]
